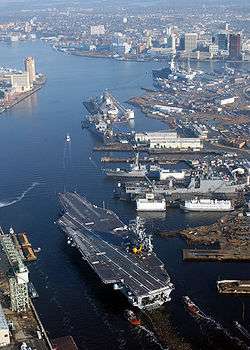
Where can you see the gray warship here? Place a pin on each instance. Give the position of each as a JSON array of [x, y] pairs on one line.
[[121, 255]]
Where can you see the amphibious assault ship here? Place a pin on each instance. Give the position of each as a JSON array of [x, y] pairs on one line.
[[121, 255]]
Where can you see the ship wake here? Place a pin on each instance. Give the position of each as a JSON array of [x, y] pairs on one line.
[[151, 336], [20, 197]]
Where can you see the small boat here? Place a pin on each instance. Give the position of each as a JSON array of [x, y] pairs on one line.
[[32, 291], [193, 308], [132, 318], [68, 139], [37, 250]]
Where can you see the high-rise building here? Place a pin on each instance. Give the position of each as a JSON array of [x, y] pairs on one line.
[[191, 42], [222, 41], [235, 45], [171, 42], [148, 39], [181, 43], [29, 65]]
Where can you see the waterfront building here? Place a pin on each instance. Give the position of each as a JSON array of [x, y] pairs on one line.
[[29, 65], [191, 41], [20, 82], [123, 49], [166, 139], [235, 45], [181, 143], [145, 137]]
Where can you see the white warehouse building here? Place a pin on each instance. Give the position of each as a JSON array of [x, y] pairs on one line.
[[171, 140], [146, 137]]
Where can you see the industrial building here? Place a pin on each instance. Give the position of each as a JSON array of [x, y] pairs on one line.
[[171, 140], [145, 137]]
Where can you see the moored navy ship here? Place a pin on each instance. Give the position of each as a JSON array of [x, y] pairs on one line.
[[122, 256], [136, 170]]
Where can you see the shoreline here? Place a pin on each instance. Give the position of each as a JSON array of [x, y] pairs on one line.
[[87, 54]]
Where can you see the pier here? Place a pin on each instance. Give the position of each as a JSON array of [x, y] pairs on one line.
[[233, 286], [214, 255], [39, 84]]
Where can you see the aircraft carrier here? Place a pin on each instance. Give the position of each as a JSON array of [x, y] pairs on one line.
[[121, 255]]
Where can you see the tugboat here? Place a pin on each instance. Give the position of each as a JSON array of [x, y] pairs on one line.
[[132, 318], [193, 308]]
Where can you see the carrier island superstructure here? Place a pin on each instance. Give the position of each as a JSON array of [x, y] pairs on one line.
[[122, 256]]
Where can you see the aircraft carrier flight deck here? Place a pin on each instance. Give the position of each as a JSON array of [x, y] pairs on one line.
[[120, 255]]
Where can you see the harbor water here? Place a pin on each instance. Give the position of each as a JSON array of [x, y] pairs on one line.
[[36, 164]]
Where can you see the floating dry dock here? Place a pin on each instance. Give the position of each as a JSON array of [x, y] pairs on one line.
[[233, 286]]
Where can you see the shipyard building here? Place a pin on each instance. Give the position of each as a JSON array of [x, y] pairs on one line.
[[171, 140]]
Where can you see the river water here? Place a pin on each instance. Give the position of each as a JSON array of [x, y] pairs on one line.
[[34, 169]]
